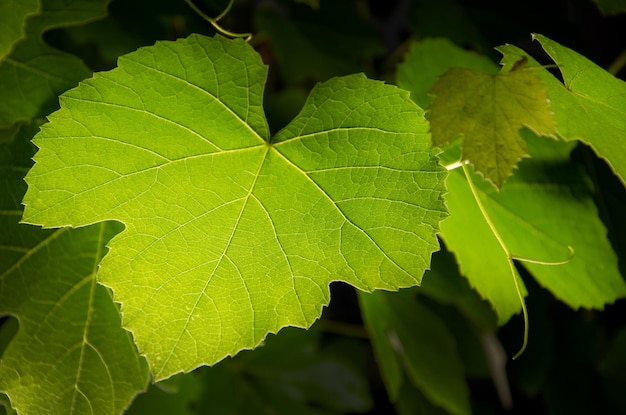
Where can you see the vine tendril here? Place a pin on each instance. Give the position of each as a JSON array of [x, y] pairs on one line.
[[214, 20], [509, 256]]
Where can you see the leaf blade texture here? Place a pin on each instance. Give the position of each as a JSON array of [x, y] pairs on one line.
[[488, 111], [230, 235]]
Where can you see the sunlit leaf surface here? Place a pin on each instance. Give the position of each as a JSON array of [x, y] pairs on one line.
[[230, 235]]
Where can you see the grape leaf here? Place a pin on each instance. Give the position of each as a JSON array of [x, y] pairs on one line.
[[13, 14], [488, 111], [590, 106], [70, 354], [230, 235], [34, 73], [546, 207], [405, 333]]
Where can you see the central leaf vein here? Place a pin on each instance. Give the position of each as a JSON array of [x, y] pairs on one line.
[[221, 258]]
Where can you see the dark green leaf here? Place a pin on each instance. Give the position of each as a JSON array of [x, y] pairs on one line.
[[34, 73], [70, 354], [406, 334]]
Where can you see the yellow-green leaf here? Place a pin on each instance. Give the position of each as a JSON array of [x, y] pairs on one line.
[[229, 234], [487, 111]]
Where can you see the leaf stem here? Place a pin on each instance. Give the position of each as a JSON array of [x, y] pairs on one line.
[[214, 20], [509, 257], [455, 165], [539, 262]]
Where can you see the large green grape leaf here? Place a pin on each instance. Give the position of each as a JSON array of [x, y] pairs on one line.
[[487, 111], [589, 106], [546, 207], [33, 74], [70, 354], [406, 334], [230, 235], [13, 14]]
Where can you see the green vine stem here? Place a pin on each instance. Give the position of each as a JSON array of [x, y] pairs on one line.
[[214, 20], [509, 256]]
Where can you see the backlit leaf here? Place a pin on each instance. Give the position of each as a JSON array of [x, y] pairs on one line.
[[589, 106], [486, 268], [230, 235], [488, 111]]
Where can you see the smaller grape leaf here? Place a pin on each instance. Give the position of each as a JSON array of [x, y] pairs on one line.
[[488, 111], [589, 106], [229, 234]]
